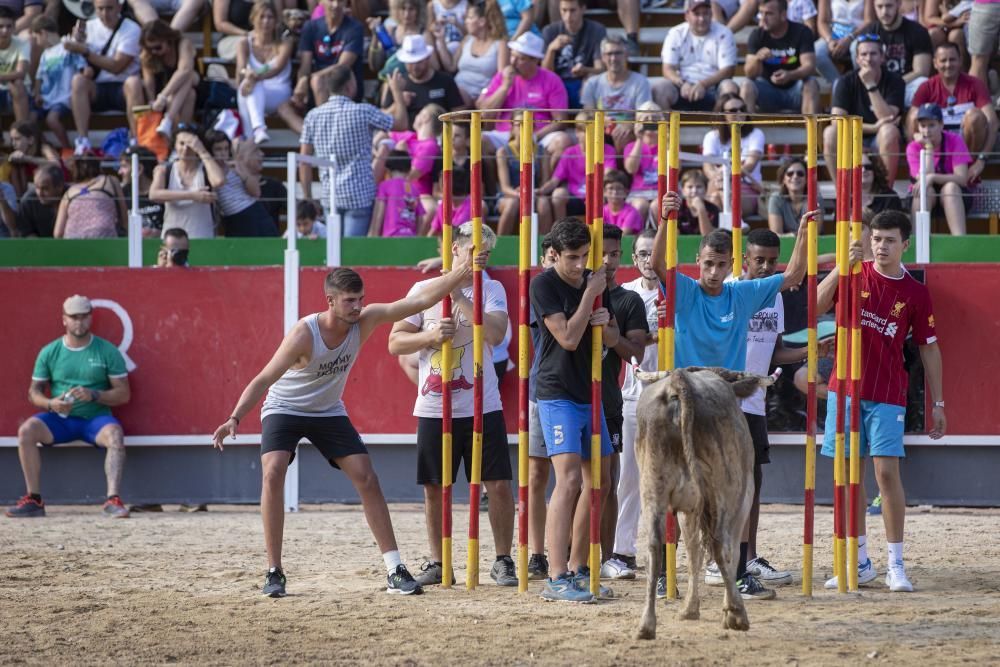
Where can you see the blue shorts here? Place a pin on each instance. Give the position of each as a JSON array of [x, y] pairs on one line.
[[566, 428], [774, 99], [882, 426], [68, 429]]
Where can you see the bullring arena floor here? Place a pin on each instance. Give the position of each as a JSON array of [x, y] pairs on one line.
[[184, 588]]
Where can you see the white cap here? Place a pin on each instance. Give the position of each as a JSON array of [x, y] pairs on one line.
[[528, 44], [414, 49]]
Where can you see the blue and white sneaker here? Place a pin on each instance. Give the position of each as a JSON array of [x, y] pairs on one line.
[[896, 579], [866, 575], [563, 589], [582, 579], [875, 509]]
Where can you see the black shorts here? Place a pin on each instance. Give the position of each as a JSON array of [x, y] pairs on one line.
[[110, 97], [496, 457], [334, 437], [575, 206], [758, 432], [615, 431]]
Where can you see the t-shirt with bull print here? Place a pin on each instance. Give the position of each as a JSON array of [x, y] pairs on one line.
[[712, 330], [762, 337]]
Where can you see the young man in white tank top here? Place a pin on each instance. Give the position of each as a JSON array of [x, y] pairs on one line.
[[309, 371]]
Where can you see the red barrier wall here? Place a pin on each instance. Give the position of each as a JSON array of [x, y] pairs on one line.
[[200, 335]]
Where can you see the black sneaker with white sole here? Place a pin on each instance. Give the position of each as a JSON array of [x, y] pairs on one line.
[[274, 583], [750, 588], [538, 567], [402, 582]]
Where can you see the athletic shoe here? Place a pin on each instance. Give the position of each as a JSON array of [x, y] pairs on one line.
[[260, 136], [875, 508], [760, 568], [616, 569], [538, 567], [629, 561], [274, 583], [563, 589], [866, 574], [661, 586], [115, 508], [82, 145], [402, 582], [431, 572], [751, 589], [26, 508], [896, 579], [583, 583], [503, 572], [713, 577], [166, 127], [632, 48]]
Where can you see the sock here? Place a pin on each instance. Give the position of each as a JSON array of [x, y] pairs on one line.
[[501, 557], [895, 553], [741, 566], [37, 497], [392, 560], [634, 36], [862, 549]]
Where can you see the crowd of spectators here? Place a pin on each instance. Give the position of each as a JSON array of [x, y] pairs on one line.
[[896, 63]]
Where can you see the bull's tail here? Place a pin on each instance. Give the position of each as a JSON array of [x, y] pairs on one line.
[[682, 385]]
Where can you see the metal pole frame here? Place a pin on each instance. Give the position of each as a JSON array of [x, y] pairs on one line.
[[527, 235], [446, 361], [475, 484], [809, 501]]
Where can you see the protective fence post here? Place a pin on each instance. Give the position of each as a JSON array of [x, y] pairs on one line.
[[135, 220], [596, 403], [922, 228], [475, 484], [526, 243], [737, 198], [842, 313], [666, 360], [854, 489], [335, 232], [446, 361], [809, 499], [291, 310], [726, 215]]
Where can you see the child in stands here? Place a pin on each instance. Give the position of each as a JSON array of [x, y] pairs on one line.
[[617, 211]]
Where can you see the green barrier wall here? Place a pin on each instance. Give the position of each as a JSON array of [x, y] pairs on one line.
[[383, 252]]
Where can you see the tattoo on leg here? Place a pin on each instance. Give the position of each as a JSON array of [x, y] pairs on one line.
[[114, 462]]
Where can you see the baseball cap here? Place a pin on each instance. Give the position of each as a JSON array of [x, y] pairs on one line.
[[414, 49], [77, 305], [930, 111], [528, 44], [695, 4]]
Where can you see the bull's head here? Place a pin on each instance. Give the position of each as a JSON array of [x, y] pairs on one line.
[[743, 384]]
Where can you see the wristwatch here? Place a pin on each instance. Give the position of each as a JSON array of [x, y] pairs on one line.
[[871, 89], [938, 404]]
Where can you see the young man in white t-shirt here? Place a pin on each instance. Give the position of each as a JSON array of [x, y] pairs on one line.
[[425, 333], [699, 60], [109, 43]]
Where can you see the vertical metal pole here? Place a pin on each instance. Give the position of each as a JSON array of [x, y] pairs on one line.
[[666, 360], [854, 488], [135, 220], [923, 226], [737, 197], [726, 216], [842, 314], [475, 484], [291, 313], [335, 231], [596, 356], [446, 361], [808, 530], [527, 242]]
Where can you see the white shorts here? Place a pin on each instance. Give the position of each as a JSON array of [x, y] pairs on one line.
[[502, 137]]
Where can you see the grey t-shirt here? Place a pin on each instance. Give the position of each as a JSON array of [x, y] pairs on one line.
[[598, 93], [779, 204]]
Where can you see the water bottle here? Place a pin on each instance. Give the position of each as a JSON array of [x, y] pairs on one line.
[[385, 38], [68, 398]]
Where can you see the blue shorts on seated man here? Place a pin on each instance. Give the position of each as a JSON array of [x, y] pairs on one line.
[[68, 429]]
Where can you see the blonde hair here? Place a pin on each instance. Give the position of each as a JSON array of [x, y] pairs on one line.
[[258, 9], [463, 236]]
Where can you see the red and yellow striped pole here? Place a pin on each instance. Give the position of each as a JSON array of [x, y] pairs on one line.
[[839, 563], [736, 192], [523, 347], [596, 197], [854, 497], [808, 530], [661, 192], [476, 210], [588, 199], [666, 359], [446, 361]]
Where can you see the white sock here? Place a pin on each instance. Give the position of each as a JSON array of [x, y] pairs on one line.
[[392, 560], [862, 549], [895, 553]]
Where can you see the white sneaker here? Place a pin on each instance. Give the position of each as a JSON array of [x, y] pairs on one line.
[[616, 569], [866, 574], [713, 577], [896, 580], [760, 568], [166, 127], [260, 136], [82, 146]]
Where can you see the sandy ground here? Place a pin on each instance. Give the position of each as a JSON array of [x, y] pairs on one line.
[[184, 588]]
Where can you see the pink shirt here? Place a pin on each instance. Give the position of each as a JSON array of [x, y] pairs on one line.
[[423, 153], [544, 91], [646, 177], [459, 215], [954, 153], [572, 168], [627, 219], [403, 209]]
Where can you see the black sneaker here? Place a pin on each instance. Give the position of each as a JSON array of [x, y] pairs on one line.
[[538, 567], [26, 508], [274, 583], [503, 572], [402, 582], [750, 588]]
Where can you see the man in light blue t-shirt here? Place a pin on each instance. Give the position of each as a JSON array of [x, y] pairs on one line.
[[712, 316]]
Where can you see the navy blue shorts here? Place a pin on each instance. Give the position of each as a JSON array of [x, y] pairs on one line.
[[68, 429], [110, 97]]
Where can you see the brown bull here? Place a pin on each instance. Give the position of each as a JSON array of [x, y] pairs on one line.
[[695, 455]]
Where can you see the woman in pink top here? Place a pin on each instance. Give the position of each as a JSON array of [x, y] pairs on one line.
[[947, 167], [568, 184], [617, 211], [640, 160], [94, 206]]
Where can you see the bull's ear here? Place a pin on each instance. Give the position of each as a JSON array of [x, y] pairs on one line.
[[747, 384], [647, 377]]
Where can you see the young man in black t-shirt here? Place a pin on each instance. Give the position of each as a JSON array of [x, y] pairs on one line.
[[573, 48], [562, 298], [781, 61], [908, 48], [874, 93]]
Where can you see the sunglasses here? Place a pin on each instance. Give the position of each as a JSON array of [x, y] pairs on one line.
[[735, 109], [866, 167], [795, 174], [868, 37]]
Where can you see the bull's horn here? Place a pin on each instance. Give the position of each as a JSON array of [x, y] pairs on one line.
[[651, 376]]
